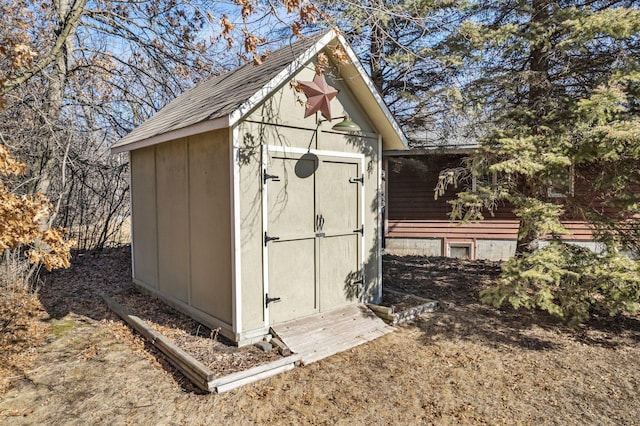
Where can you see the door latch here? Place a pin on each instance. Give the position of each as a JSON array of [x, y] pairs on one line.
[[357, 179], [268, 300], [266, 176], [268, 238], [360, 230]]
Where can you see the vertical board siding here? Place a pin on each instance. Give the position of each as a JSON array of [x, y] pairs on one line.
[[173, 219], [143, 212], [210, 218], [182, 225], [413, 211]]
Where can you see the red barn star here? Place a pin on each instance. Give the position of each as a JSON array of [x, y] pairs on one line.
[[319, 96]]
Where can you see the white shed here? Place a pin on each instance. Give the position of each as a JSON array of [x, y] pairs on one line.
[[248, 208]]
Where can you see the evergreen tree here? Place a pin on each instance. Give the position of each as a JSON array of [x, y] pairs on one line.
[[399, 41], [558, 83]]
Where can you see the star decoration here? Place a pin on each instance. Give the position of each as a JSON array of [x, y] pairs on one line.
[[319, 96]]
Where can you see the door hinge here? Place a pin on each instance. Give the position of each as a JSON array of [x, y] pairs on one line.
[[266, 176], [268, 238], [357, 179], [268, 300], [360, 230]]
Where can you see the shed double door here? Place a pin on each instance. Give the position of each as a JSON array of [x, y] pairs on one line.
[[313, 234]]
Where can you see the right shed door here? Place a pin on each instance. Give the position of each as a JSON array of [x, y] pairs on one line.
[[338, 201]]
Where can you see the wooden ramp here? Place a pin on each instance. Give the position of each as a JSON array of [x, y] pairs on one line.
[[318, 336]]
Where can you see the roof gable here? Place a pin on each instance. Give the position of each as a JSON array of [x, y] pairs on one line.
[[225, 99]]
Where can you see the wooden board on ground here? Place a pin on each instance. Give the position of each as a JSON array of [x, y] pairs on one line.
[[189, 366], [318, 336], [195, 371]]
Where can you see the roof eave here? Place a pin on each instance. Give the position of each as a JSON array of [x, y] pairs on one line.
[[283, 76], [195, 129], [435, 150]]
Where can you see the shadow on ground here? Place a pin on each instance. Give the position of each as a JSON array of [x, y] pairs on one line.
[[77, 292], [79, 288], [456, 284]]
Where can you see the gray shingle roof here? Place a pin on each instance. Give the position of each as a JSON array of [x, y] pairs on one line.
[[221, 95]]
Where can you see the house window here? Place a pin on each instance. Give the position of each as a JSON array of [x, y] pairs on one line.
[[485, 179], [561, 185], [460, 250]]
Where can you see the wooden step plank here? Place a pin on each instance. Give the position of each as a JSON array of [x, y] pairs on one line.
[[325, 320], [335, 334], [311, 345], [318, 336], [334, 327], [313, 356], [350, 326]]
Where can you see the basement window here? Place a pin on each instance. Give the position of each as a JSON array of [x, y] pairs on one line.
[[460, 250]]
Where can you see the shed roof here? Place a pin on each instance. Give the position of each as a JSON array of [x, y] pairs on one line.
[[227, 98]]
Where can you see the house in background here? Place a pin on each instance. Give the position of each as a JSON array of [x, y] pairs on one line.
[[418, 224], [250, 206]]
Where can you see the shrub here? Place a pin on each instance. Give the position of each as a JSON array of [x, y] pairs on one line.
[[569, 282]]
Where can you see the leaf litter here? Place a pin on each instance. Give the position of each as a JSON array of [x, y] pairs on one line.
[[465, 364]]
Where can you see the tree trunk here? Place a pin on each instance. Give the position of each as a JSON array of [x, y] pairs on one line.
[[47, 153], [376, 48], [539, 84], [538, 98]]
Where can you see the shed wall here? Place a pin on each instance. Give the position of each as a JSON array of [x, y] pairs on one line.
[[173, 219], [210, 219], [182, 225], [280, 122], [143, 216]]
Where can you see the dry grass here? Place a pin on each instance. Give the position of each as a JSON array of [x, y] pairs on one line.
[[467, 364]]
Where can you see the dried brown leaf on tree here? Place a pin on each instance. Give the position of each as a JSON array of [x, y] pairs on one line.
[[251, 43], [291, 5], [309, 13], [296, 29], [23, 222], [340, 55], [247, 8], [322, 63]]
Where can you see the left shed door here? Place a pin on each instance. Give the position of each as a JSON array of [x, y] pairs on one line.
[[291, 215]]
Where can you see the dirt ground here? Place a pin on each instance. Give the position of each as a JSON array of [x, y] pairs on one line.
[[465, 364]]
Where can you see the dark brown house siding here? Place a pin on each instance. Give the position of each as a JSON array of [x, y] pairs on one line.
[[412, 212]]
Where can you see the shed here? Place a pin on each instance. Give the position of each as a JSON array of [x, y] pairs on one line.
[[248, 208]]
